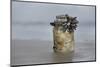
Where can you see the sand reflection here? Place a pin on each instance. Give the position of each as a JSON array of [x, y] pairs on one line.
[[62, 57]]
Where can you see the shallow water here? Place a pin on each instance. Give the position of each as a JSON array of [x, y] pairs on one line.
[[32, 44], [40, 52]]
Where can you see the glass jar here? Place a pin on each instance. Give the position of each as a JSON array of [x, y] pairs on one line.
[[63, 33]]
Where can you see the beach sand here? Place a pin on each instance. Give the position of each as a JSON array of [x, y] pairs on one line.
[[25, 52]]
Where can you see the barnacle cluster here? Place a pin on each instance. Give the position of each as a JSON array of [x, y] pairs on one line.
[[67, 22]]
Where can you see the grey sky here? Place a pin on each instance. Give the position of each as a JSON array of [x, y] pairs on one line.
[[28, 12]]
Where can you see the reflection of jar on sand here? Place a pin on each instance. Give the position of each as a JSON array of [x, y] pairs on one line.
[[63, 33]]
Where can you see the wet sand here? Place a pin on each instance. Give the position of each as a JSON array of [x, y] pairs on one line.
[[25, 52]]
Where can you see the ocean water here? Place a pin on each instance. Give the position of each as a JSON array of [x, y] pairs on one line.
[[43, 31], [32, 43]]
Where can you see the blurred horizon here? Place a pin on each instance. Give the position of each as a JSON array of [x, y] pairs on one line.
[[32, 20]]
